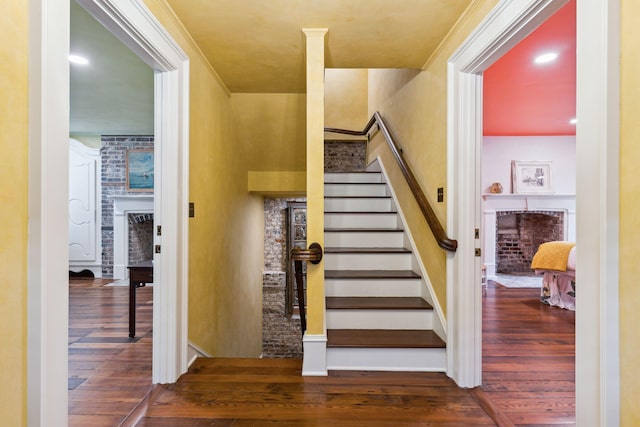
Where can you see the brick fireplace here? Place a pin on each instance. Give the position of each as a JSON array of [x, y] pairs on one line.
[[127, 209], [519, 234], [514, 225], [140, 237]]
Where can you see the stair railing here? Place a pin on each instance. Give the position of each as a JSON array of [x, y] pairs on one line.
[[443, 240], [314, 256]]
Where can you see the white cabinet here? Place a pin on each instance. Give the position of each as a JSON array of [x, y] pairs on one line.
[[85, 242]]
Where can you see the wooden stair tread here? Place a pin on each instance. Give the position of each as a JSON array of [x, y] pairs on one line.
[[367, 230], [383, 338], [355, 183], [378, 303], [371, 274], [362, 212], [357, 197], [355, 139], [367, 250]]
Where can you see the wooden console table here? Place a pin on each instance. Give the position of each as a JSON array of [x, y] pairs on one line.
[[139, 275]]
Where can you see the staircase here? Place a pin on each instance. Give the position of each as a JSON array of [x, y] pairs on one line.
[[378, 315]]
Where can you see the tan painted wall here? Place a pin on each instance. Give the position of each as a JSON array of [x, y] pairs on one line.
[[414, 105], [629, 217], [226, 235], [345, 98], [13, 213], [272, 129]]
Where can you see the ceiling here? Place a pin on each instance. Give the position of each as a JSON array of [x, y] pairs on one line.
[[258, 47], [113, 94], [523, 98]]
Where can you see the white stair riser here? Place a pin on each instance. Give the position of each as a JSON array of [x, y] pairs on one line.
[[386, 261], [372, 288], [387, 359], [341, 239], [357, 205], [352, 177], [361, 190], [348, 220], [379, 319]]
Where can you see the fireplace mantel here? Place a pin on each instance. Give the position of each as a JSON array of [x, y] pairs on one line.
[[123, 205], [492, 203]]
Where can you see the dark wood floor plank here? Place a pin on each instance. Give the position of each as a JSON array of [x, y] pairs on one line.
[[528, 357], [113, 371]]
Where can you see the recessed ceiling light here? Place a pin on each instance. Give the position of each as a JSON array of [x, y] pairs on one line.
[[80, 60], [545, 58], [573, 121]]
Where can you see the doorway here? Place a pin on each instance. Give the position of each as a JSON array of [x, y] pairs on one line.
[[528, 105], [597, 146], [137, 28]]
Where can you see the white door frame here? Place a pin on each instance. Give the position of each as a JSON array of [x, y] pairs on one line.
[[597, 342], [133, 24]]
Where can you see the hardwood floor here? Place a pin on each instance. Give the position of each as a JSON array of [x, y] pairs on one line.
[[259, 392], [528, 357], [109, 373], [528, 371]]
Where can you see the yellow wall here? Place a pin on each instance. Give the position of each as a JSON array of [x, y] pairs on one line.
[[315, 40], [414, 105], [13, 213], [272, 129], [278, 184], [629, 217], [345, 98], [226, 235]]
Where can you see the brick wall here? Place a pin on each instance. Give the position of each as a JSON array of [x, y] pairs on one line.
[[345, 156], [519, 234], [114, 182], [281, 336]]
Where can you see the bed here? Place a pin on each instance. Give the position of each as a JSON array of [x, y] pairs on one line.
[[556, 261]]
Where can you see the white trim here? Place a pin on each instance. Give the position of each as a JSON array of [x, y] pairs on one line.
[[48, 256], [134, 24], [598, 135], [597, 340], [314, 362], [136, 27], [440, 325], [507, 24], [194, 351]]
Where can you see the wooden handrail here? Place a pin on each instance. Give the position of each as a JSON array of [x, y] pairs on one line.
[[443, 240], [314, 256]]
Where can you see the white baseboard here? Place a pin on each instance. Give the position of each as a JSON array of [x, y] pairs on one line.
[[193, 352], [314, 362]]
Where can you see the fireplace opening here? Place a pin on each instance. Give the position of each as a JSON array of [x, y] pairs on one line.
[[140, 237], [519, 234]]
